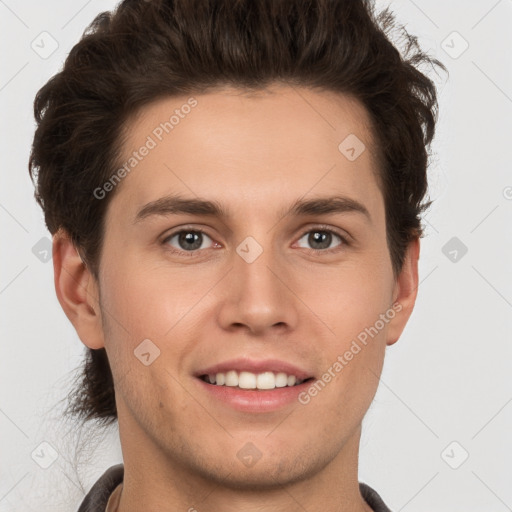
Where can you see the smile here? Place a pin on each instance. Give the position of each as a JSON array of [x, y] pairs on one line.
[[248, 380]]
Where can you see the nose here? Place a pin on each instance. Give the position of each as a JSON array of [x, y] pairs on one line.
[[257, 296]]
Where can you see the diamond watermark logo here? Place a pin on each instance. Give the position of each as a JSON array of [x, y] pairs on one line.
[[454, 249], [454, 455], [147, 352], [42, 250], [351, 147], [249, 455], [44, 455], [45, 45], [454, 45], [250, 250]]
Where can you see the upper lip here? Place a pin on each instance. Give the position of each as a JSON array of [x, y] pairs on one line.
[[255, 366]]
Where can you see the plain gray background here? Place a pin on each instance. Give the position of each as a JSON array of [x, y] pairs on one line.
[[437, 436]]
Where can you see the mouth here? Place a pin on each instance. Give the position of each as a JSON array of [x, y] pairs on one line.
[[254, 386], [249, 381]]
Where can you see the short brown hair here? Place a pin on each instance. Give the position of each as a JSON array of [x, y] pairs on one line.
[[146, 50]]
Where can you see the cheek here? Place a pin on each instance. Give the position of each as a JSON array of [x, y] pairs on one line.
[[141, 313], [355, 308], [148, 302], [347, 299], [161, 305]]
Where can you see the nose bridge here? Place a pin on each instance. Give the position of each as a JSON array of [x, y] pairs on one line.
[[254, 263], [258, 297]]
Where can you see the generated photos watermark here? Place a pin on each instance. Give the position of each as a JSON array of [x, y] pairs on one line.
[[152, 141], [367, 334]]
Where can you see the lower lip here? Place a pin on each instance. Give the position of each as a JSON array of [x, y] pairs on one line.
[[252, 400]]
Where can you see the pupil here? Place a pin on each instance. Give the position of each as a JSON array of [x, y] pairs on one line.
[[320, 237], [190, 240]]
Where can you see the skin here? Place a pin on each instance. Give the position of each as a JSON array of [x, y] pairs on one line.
[[255, 154]]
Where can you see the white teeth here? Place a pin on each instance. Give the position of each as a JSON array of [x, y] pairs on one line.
[[231, 378], [291, 380], [281, 380], [249, 380], [266, 380]]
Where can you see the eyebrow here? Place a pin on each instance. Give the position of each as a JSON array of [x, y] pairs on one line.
[[175, 204]]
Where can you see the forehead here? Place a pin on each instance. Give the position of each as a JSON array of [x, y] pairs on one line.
[[267, 147]]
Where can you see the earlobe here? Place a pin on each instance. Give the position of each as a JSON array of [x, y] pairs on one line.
[[406, 290], [77, 291]]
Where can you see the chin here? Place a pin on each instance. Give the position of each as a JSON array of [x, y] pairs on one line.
[[270, 467], [264, 475]]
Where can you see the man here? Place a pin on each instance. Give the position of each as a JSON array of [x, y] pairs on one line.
[[234, 191]]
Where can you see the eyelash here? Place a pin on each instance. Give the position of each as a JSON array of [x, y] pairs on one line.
[[322, 229]]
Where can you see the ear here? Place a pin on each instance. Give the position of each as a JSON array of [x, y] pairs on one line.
[[405, 291], [77, 291]]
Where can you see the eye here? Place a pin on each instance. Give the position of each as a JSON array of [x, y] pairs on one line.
[[321, 239], [187, 240]]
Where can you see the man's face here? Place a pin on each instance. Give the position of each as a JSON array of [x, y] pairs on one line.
[[258, 284]]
